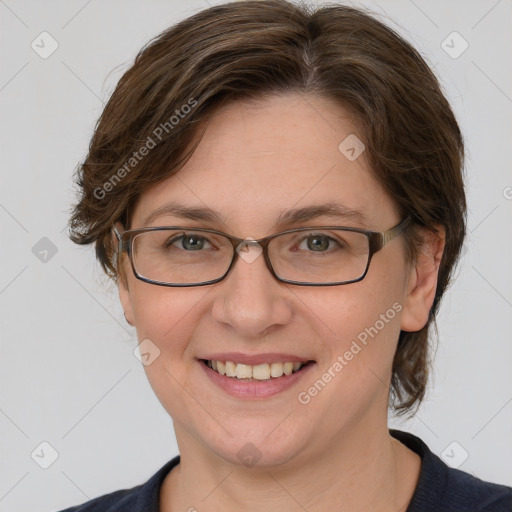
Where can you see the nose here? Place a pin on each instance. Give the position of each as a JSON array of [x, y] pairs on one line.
[[250, 300]]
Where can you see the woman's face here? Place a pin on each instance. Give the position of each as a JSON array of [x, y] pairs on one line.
[[253, 164]]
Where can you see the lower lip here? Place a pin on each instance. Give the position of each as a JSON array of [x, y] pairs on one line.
[[253, 389]]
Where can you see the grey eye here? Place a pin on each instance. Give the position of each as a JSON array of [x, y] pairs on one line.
[[188, 242]]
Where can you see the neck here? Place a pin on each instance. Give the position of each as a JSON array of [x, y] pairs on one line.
[[357, 471]]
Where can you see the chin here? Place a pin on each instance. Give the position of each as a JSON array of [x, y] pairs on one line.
[[262, 445]]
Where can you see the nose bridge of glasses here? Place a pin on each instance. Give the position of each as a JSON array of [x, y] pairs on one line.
[[249, 249]]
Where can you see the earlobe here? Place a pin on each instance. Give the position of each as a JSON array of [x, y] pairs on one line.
[[124, 297], [422, 283]]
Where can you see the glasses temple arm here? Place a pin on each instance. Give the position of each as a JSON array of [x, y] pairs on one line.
[[387, 236]]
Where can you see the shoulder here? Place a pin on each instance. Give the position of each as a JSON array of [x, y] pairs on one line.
[[470, 493], [446, 489], [141, 498], [113, 502]]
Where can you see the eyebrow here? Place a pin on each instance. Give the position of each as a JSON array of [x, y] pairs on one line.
[[294, 216]]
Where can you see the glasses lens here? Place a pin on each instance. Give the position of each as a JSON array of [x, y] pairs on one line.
[[181, 257], [320, 256]]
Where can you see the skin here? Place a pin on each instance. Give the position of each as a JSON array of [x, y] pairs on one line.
[[254, 162]]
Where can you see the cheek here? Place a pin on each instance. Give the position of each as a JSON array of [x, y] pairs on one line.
[[359, 328], [353, 382], [364, 335], [356, 312], [167, 316], [376, 325]]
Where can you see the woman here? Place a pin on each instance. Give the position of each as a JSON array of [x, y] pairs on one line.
[[278, 194]]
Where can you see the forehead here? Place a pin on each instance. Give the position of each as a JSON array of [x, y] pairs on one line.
[[256, 160]]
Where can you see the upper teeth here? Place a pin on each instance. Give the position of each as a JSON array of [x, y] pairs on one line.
[[259, 371]]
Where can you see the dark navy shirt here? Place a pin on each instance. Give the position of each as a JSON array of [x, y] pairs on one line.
[[440, 489]]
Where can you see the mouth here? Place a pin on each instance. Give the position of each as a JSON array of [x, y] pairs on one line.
[[269, 374], [255, 373]]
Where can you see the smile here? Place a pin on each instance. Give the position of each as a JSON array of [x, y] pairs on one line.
[[254, 381], [263, 371]]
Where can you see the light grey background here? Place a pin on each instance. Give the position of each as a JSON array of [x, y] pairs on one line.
[[67, 369]]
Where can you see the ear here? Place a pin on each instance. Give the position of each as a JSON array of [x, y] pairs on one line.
[[122, 277], [124, 296], [422, 281]]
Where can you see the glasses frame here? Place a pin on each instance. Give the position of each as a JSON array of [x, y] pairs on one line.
[[376, 241]]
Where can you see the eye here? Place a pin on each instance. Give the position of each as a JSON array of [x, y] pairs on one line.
[[188, 242], [319, 243]]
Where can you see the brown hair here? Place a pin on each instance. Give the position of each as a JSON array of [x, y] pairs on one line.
[[244, 50]]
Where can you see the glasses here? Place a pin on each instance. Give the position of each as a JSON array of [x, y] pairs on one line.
[[314, 256]]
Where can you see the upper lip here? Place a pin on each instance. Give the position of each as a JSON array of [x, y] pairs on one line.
[[254, 359]]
